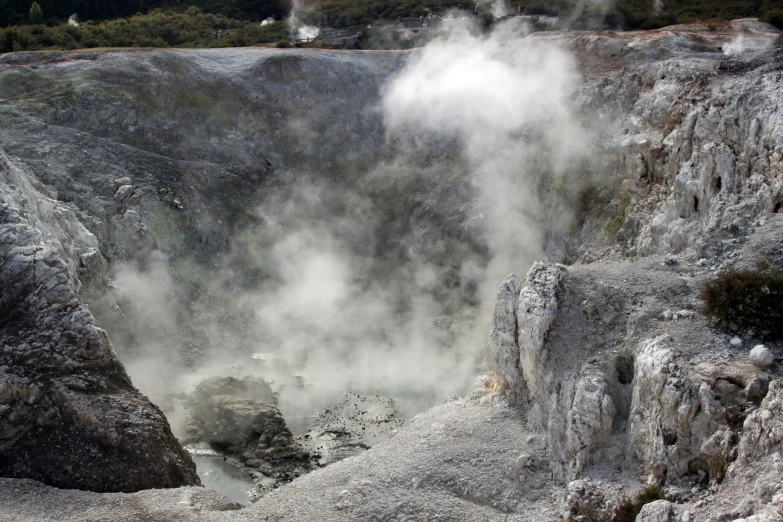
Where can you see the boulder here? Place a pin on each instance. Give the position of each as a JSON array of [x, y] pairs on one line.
[[761, 356], [657, 511], [242, 427]]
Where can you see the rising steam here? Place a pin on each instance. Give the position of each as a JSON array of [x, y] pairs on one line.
[[338, 302], [505, 99], [297, 27]]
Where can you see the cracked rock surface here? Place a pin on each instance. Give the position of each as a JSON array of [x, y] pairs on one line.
[[69, 415]]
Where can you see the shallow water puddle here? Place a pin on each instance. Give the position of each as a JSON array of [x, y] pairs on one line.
[[225, 478]]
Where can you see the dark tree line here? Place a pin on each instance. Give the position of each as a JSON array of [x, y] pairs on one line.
[[14, 12]]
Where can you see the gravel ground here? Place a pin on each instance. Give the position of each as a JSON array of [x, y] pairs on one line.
[[455, 462]]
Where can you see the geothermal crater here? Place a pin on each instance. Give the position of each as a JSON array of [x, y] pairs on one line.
[[273, 272]]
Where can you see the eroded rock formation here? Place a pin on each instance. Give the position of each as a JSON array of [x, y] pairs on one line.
[[69, 414]]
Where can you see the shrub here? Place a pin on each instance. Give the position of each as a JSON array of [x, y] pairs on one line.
[[283, 44], [775, 18], [36, 14], [747, 299]]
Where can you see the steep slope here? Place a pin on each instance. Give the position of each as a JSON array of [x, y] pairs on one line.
[[70, 416]]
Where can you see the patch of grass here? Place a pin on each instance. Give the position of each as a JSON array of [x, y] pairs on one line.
[[740, 300], [590, 201], [185, 98], [168, 228], [28, 85]]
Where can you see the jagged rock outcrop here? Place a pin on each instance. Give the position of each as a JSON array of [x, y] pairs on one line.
[[671, 426], [536, 310], [700, 150], [619, 380], [502, 345], [590, 421], [69, 415], [763, 429], [523, 314]]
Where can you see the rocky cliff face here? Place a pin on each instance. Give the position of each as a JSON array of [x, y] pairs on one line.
[[69, 415], [696, 138], [617, 367]]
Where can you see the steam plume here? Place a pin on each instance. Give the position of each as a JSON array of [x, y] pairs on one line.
[[351, 310]]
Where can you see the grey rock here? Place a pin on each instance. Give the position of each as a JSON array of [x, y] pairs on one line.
[[656, 511], [502, 350], [71, 417], [761, 356], [246, 428], [122, 193]]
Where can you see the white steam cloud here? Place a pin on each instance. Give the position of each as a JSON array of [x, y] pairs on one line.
[[741, 44], [506, 99], [301, 30], [409, 321], [498, 8]]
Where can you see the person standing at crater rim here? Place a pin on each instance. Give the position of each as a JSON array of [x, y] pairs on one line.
[[476, 10]]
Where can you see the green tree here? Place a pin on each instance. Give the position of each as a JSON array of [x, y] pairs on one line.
[[36, 14]]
